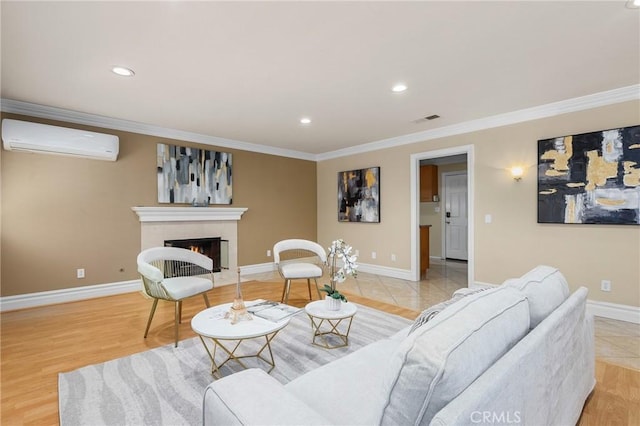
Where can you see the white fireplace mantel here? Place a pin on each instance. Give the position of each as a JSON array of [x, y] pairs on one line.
[[188, 214], [159, 224]]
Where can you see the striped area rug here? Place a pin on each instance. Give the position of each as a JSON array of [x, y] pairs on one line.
[[164, 386]]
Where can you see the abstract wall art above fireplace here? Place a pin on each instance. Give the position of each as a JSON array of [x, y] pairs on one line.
[[193, 176], [591, 178]]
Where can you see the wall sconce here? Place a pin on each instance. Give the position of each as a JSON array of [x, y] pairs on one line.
[[517, 172]]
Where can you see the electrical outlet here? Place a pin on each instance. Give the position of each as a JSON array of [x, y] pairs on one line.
[[357, 253], [268, 253], [373, 254], [393, 257], [80, 273], [605, 285]]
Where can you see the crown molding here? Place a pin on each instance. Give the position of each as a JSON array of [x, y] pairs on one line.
[[623, 94], [609, 97], [60, 114]]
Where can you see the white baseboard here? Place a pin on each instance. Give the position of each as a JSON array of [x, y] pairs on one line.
[[30, 300], [386, 271], [403, 274], [259, 268], [65, 295], [614, 311]]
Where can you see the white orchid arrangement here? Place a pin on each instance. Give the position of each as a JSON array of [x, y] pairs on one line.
[[341, 264]]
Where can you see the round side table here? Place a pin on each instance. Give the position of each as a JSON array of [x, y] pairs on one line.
[[330, 326], [211, 324]]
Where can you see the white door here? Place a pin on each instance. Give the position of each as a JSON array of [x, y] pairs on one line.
[[455, 220]]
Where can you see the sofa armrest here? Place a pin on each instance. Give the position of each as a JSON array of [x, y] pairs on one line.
[[253, 397]]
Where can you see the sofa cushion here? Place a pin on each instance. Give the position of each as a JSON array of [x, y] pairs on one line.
[[545, 288], [347, 390], [431, 366], [253, 397]]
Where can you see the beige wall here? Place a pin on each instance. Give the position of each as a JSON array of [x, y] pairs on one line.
[[514, 242], [60, 213], [429, 215]]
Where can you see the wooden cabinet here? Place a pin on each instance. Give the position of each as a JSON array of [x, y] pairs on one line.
[[424, 249], [428, 183]]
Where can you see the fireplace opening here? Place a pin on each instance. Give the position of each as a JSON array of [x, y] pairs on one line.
[[214, 247]]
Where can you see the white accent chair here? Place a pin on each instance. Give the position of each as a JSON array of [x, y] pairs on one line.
[[299, 259], [173, 274]]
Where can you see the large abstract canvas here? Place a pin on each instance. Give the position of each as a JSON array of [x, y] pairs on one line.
[[193, 176], [591, 178], [359, 195]]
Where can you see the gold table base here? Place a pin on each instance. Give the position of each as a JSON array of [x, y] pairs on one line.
[[316, 326], [231, 353]]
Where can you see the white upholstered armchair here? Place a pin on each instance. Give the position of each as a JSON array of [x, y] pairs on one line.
[[299, 259], [173, 274]]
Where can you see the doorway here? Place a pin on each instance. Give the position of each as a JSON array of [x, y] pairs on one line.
[[442, 155]]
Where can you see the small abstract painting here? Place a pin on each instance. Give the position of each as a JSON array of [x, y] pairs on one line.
[[193, 176], [359, 195], [591, 178]]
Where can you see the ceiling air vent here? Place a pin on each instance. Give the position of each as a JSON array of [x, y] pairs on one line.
[[427, 118]]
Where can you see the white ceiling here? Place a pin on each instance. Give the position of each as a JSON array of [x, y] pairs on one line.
[[248, 71]]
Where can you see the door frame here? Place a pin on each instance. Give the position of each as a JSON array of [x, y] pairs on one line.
[[444, 219], [415, 205]]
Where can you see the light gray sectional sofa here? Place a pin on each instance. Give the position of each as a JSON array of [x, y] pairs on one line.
[[521, 353]]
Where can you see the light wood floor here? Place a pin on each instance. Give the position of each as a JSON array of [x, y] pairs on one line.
[[39, 343]]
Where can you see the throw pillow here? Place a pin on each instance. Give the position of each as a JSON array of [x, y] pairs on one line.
[[434, 310], [431, 312]]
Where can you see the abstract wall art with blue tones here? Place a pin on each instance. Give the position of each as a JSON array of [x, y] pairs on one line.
[[193, 176]]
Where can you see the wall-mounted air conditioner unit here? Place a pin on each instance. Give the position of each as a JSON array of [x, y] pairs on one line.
[[44, 139]]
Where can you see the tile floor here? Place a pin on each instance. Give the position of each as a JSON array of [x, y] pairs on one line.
[[617, 342]]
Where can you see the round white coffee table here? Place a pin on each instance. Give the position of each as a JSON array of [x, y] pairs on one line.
[[326, 323], [211, 325]]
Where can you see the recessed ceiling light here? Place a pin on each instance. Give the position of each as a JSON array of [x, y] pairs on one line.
[[400, 87], [633, 4], [305, 120], [125, 72]]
